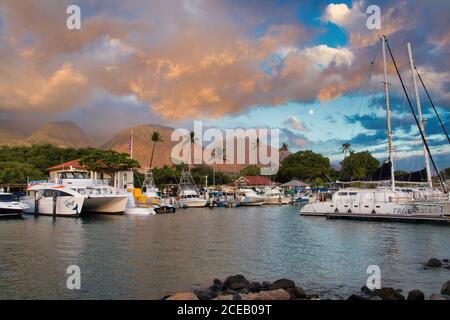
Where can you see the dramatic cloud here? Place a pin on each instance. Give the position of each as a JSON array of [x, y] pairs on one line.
[[208, 58], [294, 123]]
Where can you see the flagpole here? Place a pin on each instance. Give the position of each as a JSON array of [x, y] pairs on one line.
[[132, 144]]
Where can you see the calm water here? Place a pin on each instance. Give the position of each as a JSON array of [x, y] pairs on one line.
[[148, 257]]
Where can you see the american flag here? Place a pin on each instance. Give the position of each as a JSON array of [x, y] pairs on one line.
[[130, 143]]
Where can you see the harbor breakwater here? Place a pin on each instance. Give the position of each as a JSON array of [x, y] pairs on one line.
[[238, 287]]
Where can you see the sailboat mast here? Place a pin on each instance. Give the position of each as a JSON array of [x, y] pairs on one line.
[[388, 114], [420, 118]]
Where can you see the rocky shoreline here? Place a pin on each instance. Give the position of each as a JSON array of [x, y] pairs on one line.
[[237, 287]]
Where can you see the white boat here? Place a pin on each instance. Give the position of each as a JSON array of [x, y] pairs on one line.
[[377, 202], [74, 193], [189, 198], [9, 207], [249, 197], [393, 202], [274, 196]]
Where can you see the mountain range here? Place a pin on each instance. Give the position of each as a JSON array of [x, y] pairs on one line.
[[67, 134]]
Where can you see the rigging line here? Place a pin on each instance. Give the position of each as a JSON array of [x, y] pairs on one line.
[[432, 104], [415, 118]]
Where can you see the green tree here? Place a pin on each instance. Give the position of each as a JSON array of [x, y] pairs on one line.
[[251, 171], [346, 148], [304, 165], [15, 172], [108, 161], [156, 137], [284, 147], [358, 165]]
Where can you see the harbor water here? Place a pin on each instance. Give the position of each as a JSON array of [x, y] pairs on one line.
[[147, 257]]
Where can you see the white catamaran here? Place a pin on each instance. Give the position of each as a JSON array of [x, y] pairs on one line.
[[390, 201], [72, 193]]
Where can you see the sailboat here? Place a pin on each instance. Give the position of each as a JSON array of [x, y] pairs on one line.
[[188, 196], [389, 202]]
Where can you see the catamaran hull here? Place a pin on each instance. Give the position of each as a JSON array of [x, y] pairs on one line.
[[65, 206], [102, 204], [413, 209]]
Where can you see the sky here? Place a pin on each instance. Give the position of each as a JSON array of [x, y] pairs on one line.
[[303, 67]]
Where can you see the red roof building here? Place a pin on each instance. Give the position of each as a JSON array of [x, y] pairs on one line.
[[74, 164], [253, 181]]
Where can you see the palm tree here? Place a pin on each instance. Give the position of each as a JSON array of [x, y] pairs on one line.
[[219, 155], [284, 147], [346, 148], [156, 137], [192, 140]]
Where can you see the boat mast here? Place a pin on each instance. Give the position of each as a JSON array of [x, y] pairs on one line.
[[388, 114], [420, 118]]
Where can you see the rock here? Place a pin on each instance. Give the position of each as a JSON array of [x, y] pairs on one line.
[[244, 291], [255, 286], [236, 282], [437, 297], [217, 282], [416, 295], [205, 294], [281, 284], [434, 263], [357, 297], [183, 296], [237, 286], [446, 288], [229, 292], [237, 296], [388, 294], [224, 297], [445, 260], [279, 294], [367, 291], [266, 284], [296, 293], [312, 297], [216, 288], [375, 298]]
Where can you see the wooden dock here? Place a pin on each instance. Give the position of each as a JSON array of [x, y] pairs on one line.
[[417, 219]]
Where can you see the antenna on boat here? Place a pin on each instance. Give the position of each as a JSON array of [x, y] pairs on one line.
[[420, 117], [388, 113]]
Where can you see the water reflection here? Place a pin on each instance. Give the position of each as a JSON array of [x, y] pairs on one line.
[[147, 257]]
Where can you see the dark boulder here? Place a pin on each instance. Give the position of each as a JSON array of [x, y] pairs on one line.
[[434, 263], [296, 293], [244, 291], [446, 288], [388, 294], [367, 291], [237, 282], [445, 260], [205, 294], [416, 295], [217, 282], [255, 286], [281, 284], [357, 297]]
